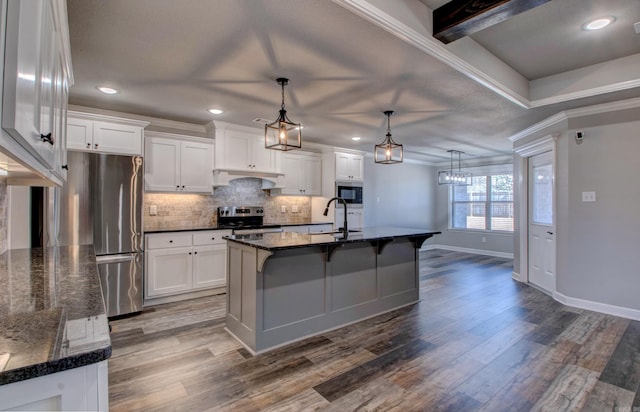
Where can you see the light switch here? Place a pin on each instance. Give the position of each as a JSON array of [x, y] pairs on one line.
[[283, 209], [294, 209], [153, 210], [588, 196]]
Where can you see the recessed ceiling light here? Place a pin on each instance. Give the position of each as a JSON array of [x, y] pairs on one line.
[[107, 90], [598, 23], [356, 138], [215, 111]]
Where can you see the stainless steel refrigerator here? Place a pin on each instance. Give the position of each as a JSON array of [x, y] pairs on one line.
[[101, 204]]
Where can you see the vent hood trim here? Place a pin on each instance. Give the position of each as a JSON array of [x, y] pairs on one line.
[[222, 177]]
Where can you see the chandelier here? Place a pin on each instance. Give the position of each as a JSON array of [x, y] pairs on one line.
[[454, 177], [388, 151], [283, 134]]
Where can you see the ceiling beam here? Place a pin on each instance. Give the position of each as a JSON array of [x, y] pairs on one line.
[[460, 18]]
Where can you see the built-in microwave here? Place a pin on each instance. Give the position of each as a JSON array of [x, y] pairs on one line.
[[351, 192]]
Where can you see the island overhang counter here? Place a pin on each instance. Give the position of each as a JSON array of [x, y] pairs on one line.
[[283, 287]]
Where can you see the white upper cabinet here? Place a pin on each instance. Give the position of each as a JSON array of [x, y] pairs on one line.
[[242, 149], [349, 166], [37, 75], [105, 134], [175, 163], [302, 174]]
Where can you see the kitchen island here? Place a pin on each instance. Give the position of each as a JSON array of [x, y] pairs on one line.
[[283, 287], [54, 333]]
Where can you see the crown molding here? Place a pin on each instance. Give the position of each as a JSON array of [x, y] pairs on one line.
[[575, 113], [411, 21]]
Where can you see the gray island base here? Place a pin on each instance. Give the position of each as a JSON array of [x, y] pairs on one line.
[[283, 287]]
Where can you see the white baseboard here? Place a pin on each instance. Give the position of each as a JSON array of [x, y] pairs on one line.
[[469, 250], [516, 276], [597, 306]]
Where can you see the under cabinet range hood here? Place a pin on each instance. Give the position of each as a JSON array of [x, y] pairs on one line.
[[222, 177]]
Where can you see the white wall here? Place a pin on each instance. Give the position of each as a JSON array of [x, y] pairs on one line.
[[400, 194], [597, 252]]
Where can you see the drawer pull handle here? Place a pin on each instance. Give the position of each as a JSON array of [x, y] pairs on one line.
[[213, 238], [47, 138], [171, 241]]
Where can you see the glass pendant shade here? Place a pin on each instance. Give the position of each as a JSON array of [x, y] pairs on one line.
[[454, 177], [283, 134], [388, 151]]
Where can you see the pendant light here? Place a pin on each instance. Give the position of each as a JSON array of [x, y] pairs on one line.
[[451, 176], [282, 134], [388, 151]]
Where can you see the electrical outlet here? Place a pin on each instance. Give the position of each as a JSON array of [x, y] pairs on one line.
[[588, 196], [283, 209], [294, 209], [153, 210]]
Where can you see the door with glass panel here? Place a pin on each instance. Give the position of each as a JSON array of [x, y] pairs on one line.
[[542, 249]]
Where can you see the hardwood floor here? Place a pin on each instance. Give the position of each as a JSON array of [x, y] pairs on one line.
[[477, 341]]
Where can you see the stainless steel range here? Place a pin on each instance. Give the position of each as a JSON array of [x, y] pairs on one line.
[[244, 220]]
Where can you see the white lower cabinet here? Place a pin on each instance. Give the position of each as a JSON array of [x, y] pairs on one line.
[[182, 262], [79, 389]]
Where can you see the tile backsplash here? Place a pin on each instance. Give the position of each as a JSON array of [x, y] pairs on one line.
[[194, 210]]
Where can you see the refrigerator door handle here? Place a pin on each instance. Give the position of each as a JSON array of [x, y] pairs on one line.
[[114, 258]]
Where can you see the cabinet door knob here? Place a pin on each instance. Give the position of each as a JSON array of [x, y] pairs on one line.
[[183, 187], [178, 187], [47, 138], [189, 252], [549, 233], [195, 253], [170, 241], [88, 145], [213, 238], [95, 145], [65, 167]]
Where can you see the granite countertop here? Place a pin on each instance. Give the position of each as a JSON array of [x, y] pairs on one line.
[[183, 228], [52, 315], [292, 240]]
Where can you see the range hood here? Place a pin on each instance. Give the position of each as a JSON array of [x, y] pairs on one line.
[[222, 177]]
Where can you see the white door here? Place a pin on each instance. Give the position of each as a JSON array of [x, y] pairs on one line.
[[117, 138], [196, 167], [162, 164], [312, 176], [541, 222], [261, 158], [169, 271], [209, 266]]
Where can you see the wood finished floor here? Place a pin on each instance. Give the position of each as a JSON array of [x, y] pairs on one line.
[[477, 341]]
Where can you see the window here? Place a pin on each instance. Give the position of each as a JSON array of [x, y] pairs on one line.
[[486, 204]]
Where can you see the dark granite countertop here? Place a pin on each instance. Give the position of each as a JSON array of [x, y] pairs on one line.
[[292, 240], [305, 224], [52, 315]]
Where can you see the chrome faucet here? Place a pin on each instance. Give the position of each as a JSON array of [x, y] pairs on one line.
[[343, 229]]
